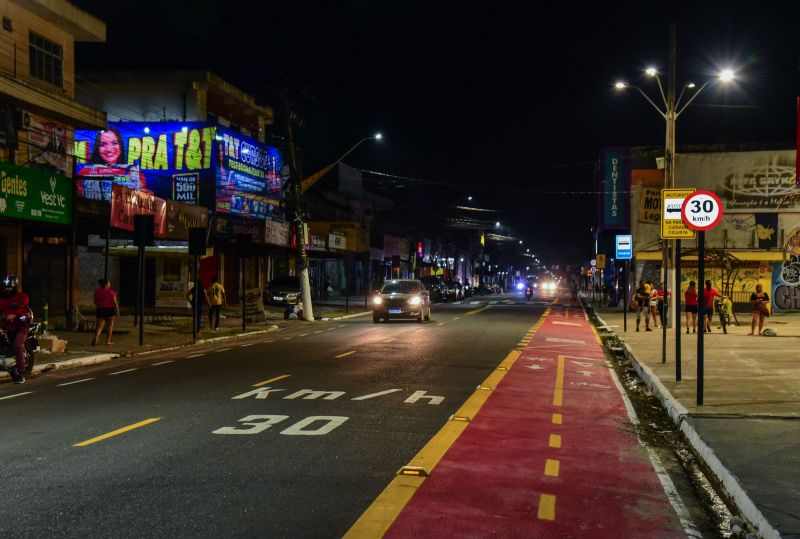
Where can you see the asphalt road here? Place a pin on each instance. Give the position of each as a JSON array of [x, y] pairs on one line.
[[285, 435]]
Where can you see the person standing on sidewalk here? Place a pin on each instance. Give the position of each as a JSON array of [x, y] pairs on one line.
[[690, 302], [759, 299], [643, 300], [216, 299], [708, 302], [107, 310], [191, 297], [653, 291], [663, 303]]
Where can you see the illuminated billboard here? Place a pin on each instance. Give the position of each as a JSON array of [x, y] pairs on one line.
[[171, 160], [249, 176]]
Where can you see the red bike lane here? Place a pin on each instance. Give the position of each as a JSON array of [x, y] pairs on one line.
[[551, 453]]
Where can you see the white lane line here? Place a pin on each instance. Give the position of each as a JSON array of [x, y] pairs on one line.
[[320, 331], [194, 355], [16, 395], [271, 340], [288, 338], [474, 302], [75, 382], [123, 372], [331, 329], [246, 345], [224, 349], [303, 335], [162, 363], [340, 326]]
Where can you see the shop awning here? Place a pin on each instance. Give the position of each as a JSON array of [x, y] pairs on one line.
[[766, 256]]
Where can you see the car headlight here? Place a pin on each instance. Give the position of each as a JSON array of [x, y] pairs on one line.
[[416, 300], [377, 300], [520, 286], [535, 285]]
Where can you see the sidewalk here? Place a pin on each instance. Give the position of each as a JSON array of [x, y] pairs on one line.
[[748, 428], [174, 334]]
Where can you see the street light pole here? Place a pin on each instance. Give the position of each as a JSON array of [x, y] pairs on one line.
[[302, 256], [670, 114]]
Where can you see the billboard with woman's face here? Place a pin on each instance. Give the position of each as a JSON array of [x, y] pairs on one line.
[[191, 162], [171, 160]]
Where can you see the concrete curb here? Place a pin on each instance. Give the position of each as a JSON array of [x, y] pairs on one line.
[[678, 413], [95, 359]]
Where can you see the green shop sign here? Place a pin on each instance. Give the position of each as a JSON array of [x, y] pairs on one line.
[[36, 195]]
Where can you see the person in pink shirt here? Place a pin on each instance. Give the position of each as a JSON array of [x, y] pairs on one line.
[[690, 302], [105, 299]]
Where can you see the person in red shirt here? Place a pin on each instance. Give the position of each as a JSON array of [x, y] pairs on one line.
[[708, 302], [105, 299], [15, 317], [690, 302]]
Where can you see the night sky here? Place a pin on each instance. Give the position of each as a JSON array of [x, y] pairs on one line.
[[507, 103]]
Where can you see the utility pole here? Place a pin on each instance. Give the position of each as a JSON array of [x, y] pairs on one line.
[[302, 256], [669, 278]]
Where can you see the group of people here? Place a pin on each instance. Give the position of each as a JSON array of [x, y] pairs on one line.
[[651, 301]]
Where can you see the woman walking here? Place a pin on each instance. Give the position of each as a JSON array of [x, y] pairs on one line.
[[105, 299], [759, 299], [690, 302]]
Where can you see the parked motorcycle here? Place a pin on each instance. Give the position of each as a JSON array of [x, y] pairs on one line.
[[8, 361]]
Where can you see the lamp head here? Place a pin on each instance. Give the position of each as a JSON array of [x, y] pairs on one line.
[[691, 85], [651, 72], [378, 136], [726, 75], [619, 85]]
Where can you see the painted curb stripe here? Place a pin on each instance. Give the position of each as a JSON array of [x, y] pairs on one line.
[[117, 432]]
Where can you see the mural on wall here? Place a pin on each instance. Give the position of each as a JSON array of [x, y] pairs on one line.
[[786, 276], [746, 181]]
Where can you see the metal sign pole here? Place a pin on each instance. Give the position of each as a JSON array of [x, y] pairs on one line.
[[677, 300], [625, 293], [701, 308]]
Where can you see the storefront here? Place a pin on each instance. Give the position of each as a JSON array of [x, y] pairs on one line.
[[35, 213]]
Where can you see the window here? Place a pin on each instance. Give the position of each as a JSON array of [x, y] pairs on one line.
[[46, 59]]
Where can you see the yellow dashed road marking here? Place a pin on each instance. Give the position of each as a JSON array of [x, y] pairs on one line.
[[557, 419], [265, 382], [547, 507], [351, 352], [555, 440], [117, 432], [551, 468], [558, 395], [476, 311]]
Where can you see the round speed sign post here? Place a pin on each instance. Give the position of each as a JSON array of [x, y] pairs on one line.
[[701, 211]]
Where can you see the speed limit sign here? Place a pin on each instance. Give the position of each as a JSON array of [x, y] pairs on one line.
[[702, 210]]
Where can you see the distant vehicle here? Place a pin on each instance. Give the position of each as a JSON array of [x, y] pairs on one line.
[[435, 286], [401, 298], [283, 291]]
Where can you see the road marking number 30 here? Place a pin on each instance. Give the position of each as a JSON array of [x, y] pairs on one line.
[[316, 425]]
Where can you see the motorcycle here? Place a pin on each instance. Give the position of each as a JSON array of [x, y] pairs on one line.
[[8, 361], [528, 293]]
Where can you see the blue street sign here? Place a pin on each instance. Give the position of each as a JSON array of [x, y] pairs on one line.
[[624, 247]]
